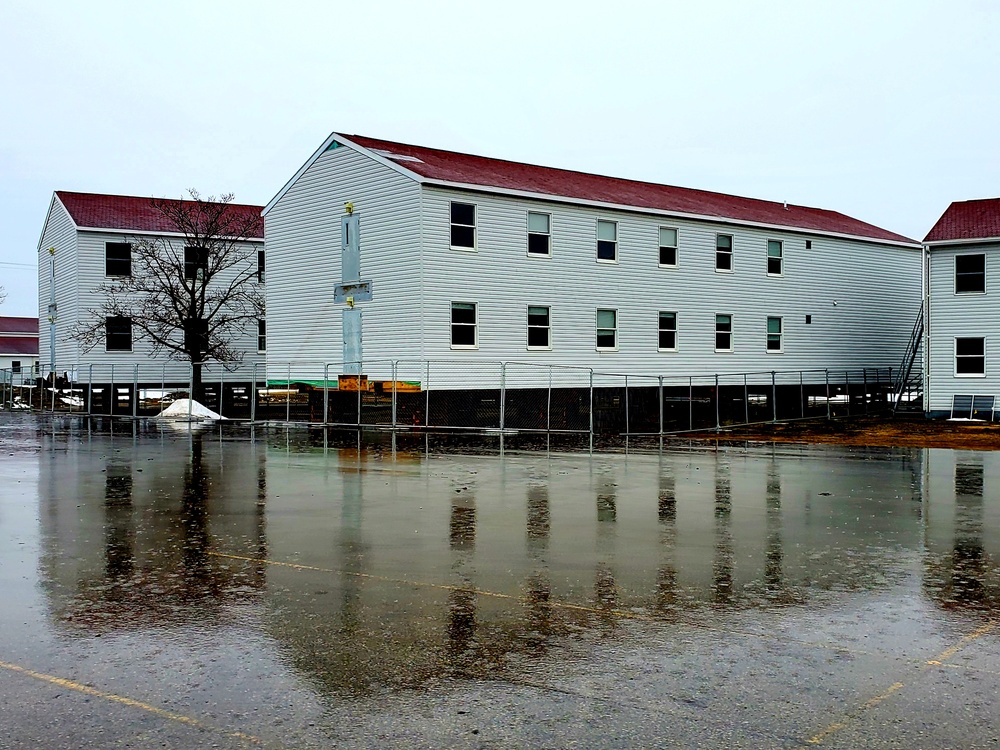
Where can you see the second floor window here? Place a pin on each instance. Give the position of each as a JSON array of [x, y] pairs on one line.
[[668, 246], [970, 274], [195, 260], [774, 258], [463, 226], [539, 234], [117, 259], [723, 252], [260, 266], [607, 240]]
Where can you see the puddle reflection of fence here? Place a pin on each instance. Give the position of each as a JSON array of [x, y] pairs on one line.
[[506, 397]]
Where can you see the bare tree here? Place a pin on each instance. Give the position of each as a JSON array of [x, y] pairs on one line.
[[3, 295], [189, 298]]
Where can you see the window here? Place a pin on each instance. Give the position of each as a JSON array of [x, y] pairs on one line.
[[668, 246], [118, 334], [195, 259], [15, 366], [774, 251], [117, 259], [607, 329], [538, 328], [463, 325], [260, 266], [668, 332], [463, 226], [607, 240], [723, 333], [539, 235], [809, 244], [774, 334], [970, 274], [261, 336], [723, 252], [970, 357]]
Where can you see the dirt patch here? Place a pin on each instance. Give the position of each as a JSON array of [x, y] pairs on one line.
[[886, 431]]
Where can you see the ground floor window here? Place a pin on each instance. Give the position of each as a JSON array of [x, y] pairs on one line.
[[463, 325], [118, 334], [970, 357], [723, 333], [607, 329], [538, 327], [668, 332], [774, 334], [15, 366]]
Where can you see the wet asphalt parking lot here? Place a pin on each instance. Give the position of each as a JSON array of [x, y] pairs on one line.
[[235, 587]]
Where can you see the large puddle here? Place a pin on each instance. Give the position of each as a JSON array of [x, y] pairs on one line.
[[280, 562]]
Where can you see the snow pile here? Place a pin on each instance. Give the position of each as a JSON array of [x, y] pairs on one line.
[[179, 410]]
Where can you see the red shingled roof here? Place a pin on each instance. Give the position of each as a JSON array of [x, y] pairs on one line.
[[18, 325], [967, 220], [130, 213], [481, 171], [18, 345]]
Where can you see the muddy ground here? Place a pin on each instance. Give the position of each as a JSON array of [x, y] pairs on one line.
[[873, 431]]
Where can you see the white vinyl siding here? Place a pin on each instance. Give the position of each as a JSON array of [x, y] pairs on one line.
[[59, 232], [303, 266]]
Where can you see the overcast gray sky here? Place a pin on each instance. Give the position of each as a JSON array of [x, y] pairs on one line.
[[883, 110]]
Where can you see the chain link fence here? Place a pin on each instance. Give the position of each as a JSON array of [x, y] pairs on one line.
[[453, 395]]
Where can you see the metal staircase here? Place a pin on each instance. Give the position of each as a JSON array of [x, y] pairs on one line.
[[908, 386]]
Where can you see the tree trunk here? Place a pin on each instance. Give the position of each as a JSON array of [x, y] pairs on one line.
[[197, 389]]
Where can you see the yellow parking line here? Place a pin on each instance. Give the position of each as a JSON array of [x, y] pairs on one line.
[[131, 702], [937, 661]]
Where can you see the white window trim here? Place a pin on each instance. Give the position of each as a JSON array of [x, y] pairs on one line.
[[954, 281], [259, 350], [597, 239], [781, 335], [954, 358], [528, 327], [732, 331], [475, 230], [616, 330], [767, 258], [529, 232], [677, 251], [658, 329], [475, 326], [732, 257]]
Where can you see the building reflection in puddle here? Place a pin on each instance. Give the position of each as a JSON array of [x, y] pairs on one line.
[[402, 568]]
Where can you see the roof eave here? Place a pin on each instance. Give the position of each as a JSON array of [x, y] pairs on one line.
[[156, 233], [661, 212], [964, 241]]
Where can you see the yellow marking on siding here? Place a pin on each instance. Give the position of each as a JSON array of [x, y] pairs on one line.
[[131, 702]]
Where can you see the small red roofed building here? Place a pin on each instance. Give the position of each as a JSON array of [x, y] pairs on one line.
[[962, 298], [18, 350]]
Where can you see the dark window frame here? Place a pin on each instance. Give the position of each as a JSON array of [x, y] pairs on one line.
[[775, 262], [540, 243], [602, 332], [668, 252], [460, 227], [195, 259], [724, 253], [607, 250], [970, 360], [460, 326], [775, 342], [539, 329], [118, 259], [261, 336], [723, 332], [667, 334], [115, 334], [970, 273]]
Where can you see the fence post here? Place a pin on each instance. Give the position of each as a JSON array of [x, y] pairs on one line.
[[288, 389], [361, 369], [135, 391], [222, 388], [718, 421], [864, 387], [90, 390], [591, 428], [847, 387], [427, 396], [626, 409], [163, 383], [548, 406], [746, 400], [395, 375], [503, 392], [111, 403], [326, 393], [802, 396], [690, 402], [191, 392], [659, 391], [774, 398], [827, 375], [253, 394]]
